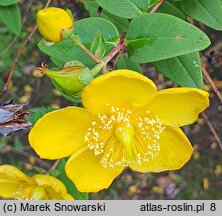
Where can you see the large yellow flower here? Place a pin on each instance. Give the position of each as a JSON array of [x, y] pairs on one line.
[[14, 184], [125, 122]]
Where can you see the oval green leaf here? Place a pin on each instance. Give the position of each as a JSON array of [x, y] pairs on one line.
[[87, 29], [154, 37], [169, 8], [11, 17], [125, 8], [8, 2], [153, 2], [205, 11], [98, 47], [120, 22], [184, 70], [125, 63]]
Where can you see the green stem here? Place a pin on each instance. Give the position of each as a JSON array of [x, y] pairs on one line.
[[108, 57], [157, 6], [77, 41], [53, 166], [92, 56]]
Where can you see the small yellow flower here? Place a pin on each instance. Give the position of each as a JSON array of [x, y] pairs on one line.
[[52, 22], [14, 184], [125, 122]]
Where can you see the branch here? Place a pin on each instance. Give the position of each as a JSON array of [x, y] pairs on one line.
[[117, 58], [15, 62], [109, 56], [211, 127], [53, 166], [91, 55], [15, 38], [210, 81], [156, 6]]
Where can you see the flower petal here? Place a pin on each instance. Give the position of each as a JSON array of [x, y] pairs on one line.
[[11, 173], [67, 196], [175, 151], [87, 173], [120, 88], [56, 190], [11, 179], [60, 133], [49, 181], [8, 189], [179, 106]]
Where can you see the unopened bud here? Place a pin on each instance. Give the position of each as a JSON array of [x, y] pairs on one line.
[[55, 24], [68, 78]]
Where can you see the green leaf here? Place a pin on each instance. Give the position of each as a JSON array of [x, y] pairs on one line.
[[8, 2], [87, 29], [71, 188], [98, 47], [205, 11], [143, 5], [57, 62], [153, 2], [169, 8], [91, 6], [120, 23], [125, 8], [184, 70], [125, 63], [162, 36], [11, 17], [38, 112]]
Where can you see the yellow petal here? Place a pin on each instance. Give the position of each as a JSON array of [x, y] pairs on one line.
[[55, 189], [60, 133], [120, 88], [175, 151], [87, 173], [179, 106], [49, 181], [8, 172], [67, 196], [52, 195], [8, 189]]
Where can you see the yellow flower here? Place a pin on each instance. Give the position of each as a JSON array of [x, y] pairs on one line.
[[52, 22], [125, 122], [14, 184]]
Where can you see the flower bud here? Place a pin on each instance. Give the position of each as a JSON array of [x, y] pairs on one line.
[[54, 23], [66, 78]]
